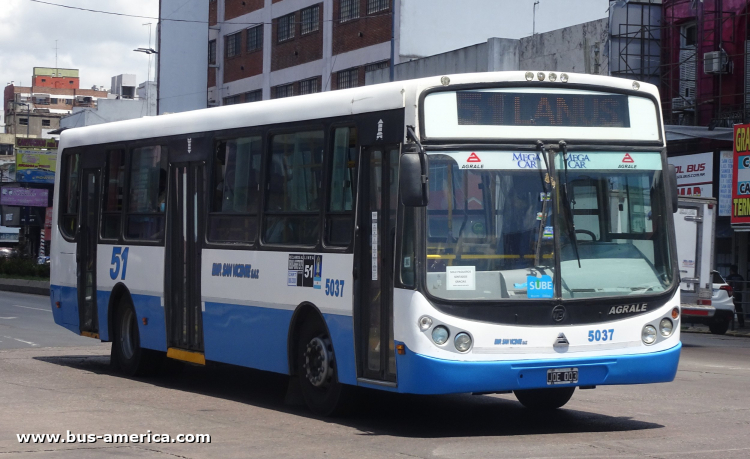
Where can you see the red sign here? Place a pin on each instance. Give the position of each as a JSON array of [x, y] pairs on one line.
[[473, 158], [48, 224], [22, 142], [741, 175], [628, 158]]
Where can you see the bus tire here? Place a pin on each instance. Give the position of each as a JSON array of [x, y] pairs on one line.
[[317, 372], [544, 399], [127, 354]]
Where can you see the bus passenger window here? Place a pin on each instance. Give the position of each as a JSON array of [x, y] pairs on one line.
[[114, 180], [236, 190], [339, 218], [148, 192], [294, 183], [69, 196]]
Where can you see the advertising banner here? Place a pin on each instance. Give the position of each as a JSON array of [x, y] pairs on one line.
[[35, 166], [741, 176], [22, 142], [694, 174], [14, 196]]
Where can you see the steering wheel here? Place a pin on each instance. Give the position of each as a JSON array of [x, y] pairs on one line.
[[587, 233]]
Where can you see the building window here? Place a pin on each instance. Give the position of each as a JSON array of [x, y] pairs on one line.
[[285, 90], [45, 123], [54, 100], [285, 28], [236, 195], [377, 66], [293, 195], [310, 18], [148, 192], [255, 38], [233, 44], [347, 78], [373, 6], [309, 86], [254, 96], [212, 52], [114, 181], [23, 121], [231, 100], [349, 10], [689, 35]]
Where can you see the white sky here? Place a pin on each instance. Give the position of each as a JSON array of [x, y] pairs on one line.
[[99, 45]]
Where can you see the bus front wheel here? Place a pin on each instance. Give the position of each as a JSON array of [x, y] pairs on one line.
[[544, 399], [127, 353], [317, 372]]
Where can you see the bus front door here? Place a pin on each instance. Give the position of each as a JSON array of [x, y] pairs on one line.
[[183, 261], [377, 227], [86, 253]]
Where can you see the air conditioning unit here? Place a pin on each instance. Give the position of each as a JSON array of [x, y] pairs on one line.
[[715, 62], [681, 103]]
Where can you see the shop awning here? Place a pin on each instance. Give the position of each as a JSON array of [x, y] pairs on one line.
[[676, 132]]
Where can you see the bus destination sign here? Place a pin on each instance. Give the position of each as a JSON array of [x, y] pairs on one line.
[[479, 108]]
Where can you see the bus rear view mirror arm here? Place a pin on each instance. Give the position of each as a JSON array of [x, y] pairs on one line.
[[413, 180]]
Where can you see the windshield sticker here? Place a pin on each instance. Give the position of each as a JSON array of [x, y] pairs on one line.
[[544, 196], [609, 160], [539, 287], [496, 160], [548, 233], [460, 277]]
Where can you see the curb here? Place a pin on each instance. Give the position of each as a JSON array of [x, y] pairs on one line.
[[742, 333], [25, 286]]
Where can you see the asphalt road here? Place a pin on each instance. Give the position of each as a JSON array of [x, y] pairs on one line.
[[704, 413]]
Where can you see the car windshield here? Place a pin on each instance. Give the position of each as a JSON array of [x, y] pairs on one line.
[[617, 243], [492, 229], [489, 226]]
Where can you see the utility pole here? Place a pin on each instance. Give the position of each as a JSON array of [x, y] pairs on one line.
[[533, 17]]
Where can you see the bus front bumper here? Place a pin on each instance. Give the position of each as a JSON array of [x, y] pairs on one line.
[[419, 374]]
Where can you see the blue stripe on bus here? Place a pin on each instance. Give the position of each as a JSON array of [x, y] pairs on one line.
[[154, 335], [419, 374]]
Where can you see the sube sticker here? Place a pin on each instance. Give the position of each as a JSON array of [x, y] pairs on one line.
[[539, 287]]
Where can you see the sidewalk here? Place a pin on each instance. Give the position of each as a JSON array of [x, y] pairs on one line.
[[25, 286], [694, 328]]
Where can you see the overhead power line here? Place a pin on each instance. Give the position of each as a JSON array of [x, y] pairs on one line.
[[113, 13]]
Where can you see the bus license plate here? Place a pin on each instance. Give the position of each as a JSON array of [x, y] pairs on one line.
[[562, 376]]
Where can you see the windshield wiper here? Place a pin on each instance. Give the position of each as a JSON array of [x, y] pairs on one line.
[[545, 202], [571, 227]]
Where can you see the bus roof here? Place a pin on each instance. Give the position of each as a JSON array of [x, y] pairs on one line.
[[386, 96]]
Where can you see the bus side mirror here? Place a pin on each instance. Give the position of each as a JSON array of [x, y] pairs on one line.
[[413, 180], [672, 181]]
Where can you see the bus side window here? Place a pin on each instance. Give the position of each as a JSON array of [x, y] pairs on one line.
[[69, 197], [339, 216], [114, 180], [294, 182], [147, 193], [236, 190]]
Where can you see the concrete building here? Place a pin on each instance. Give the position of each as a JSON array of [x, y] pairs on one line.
[[125, 101], [35, 111], [262, 49]]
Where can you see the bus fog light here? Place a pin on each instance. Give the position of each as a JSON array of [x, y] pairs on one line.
[[462, 342], [425, 323], [648, 335], [529, 76], [440, 335], [665, 327]]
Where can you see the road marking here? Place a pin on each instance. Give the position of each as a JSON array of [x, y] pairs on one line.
[[7, 318], [29, 307], [21, 341]]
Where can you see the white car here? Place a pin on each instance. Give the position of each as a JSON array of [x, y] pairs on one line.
[[718, 314]]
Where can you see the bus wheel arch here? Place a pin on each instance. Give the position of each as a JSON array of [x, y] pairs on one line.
[[305, 312], [119, 292], [126, 354]]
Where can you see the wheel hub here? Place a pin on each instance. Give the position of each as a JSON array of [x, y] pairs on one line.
[[318, 361]]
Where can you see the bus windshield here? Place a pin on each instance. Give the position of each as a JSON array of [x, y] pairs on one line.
[[492, 226], [489, 226]]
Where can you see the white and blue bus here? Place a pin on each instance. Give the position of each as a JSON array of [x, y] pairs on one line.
[[480, 233]]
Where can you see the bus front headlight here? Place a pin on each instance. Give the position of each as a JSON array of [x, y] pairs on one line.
[[462, 342], [666, 327], [440, 335], [425, 322], [648, 335]]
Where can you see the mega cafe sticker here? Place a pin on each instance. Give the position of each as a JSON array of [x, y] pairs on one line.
[[741, 175]]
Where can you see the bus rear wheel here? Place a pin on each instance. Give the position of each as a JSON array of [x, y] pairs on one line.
[[127, 353], [544, 399], [317, 372]]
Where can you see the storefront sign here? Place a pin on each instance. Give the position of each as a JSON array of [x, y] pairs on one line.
[[694, 174], [741, 176], [22, 142], [725, 183], [14, 196], [35, 166]]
